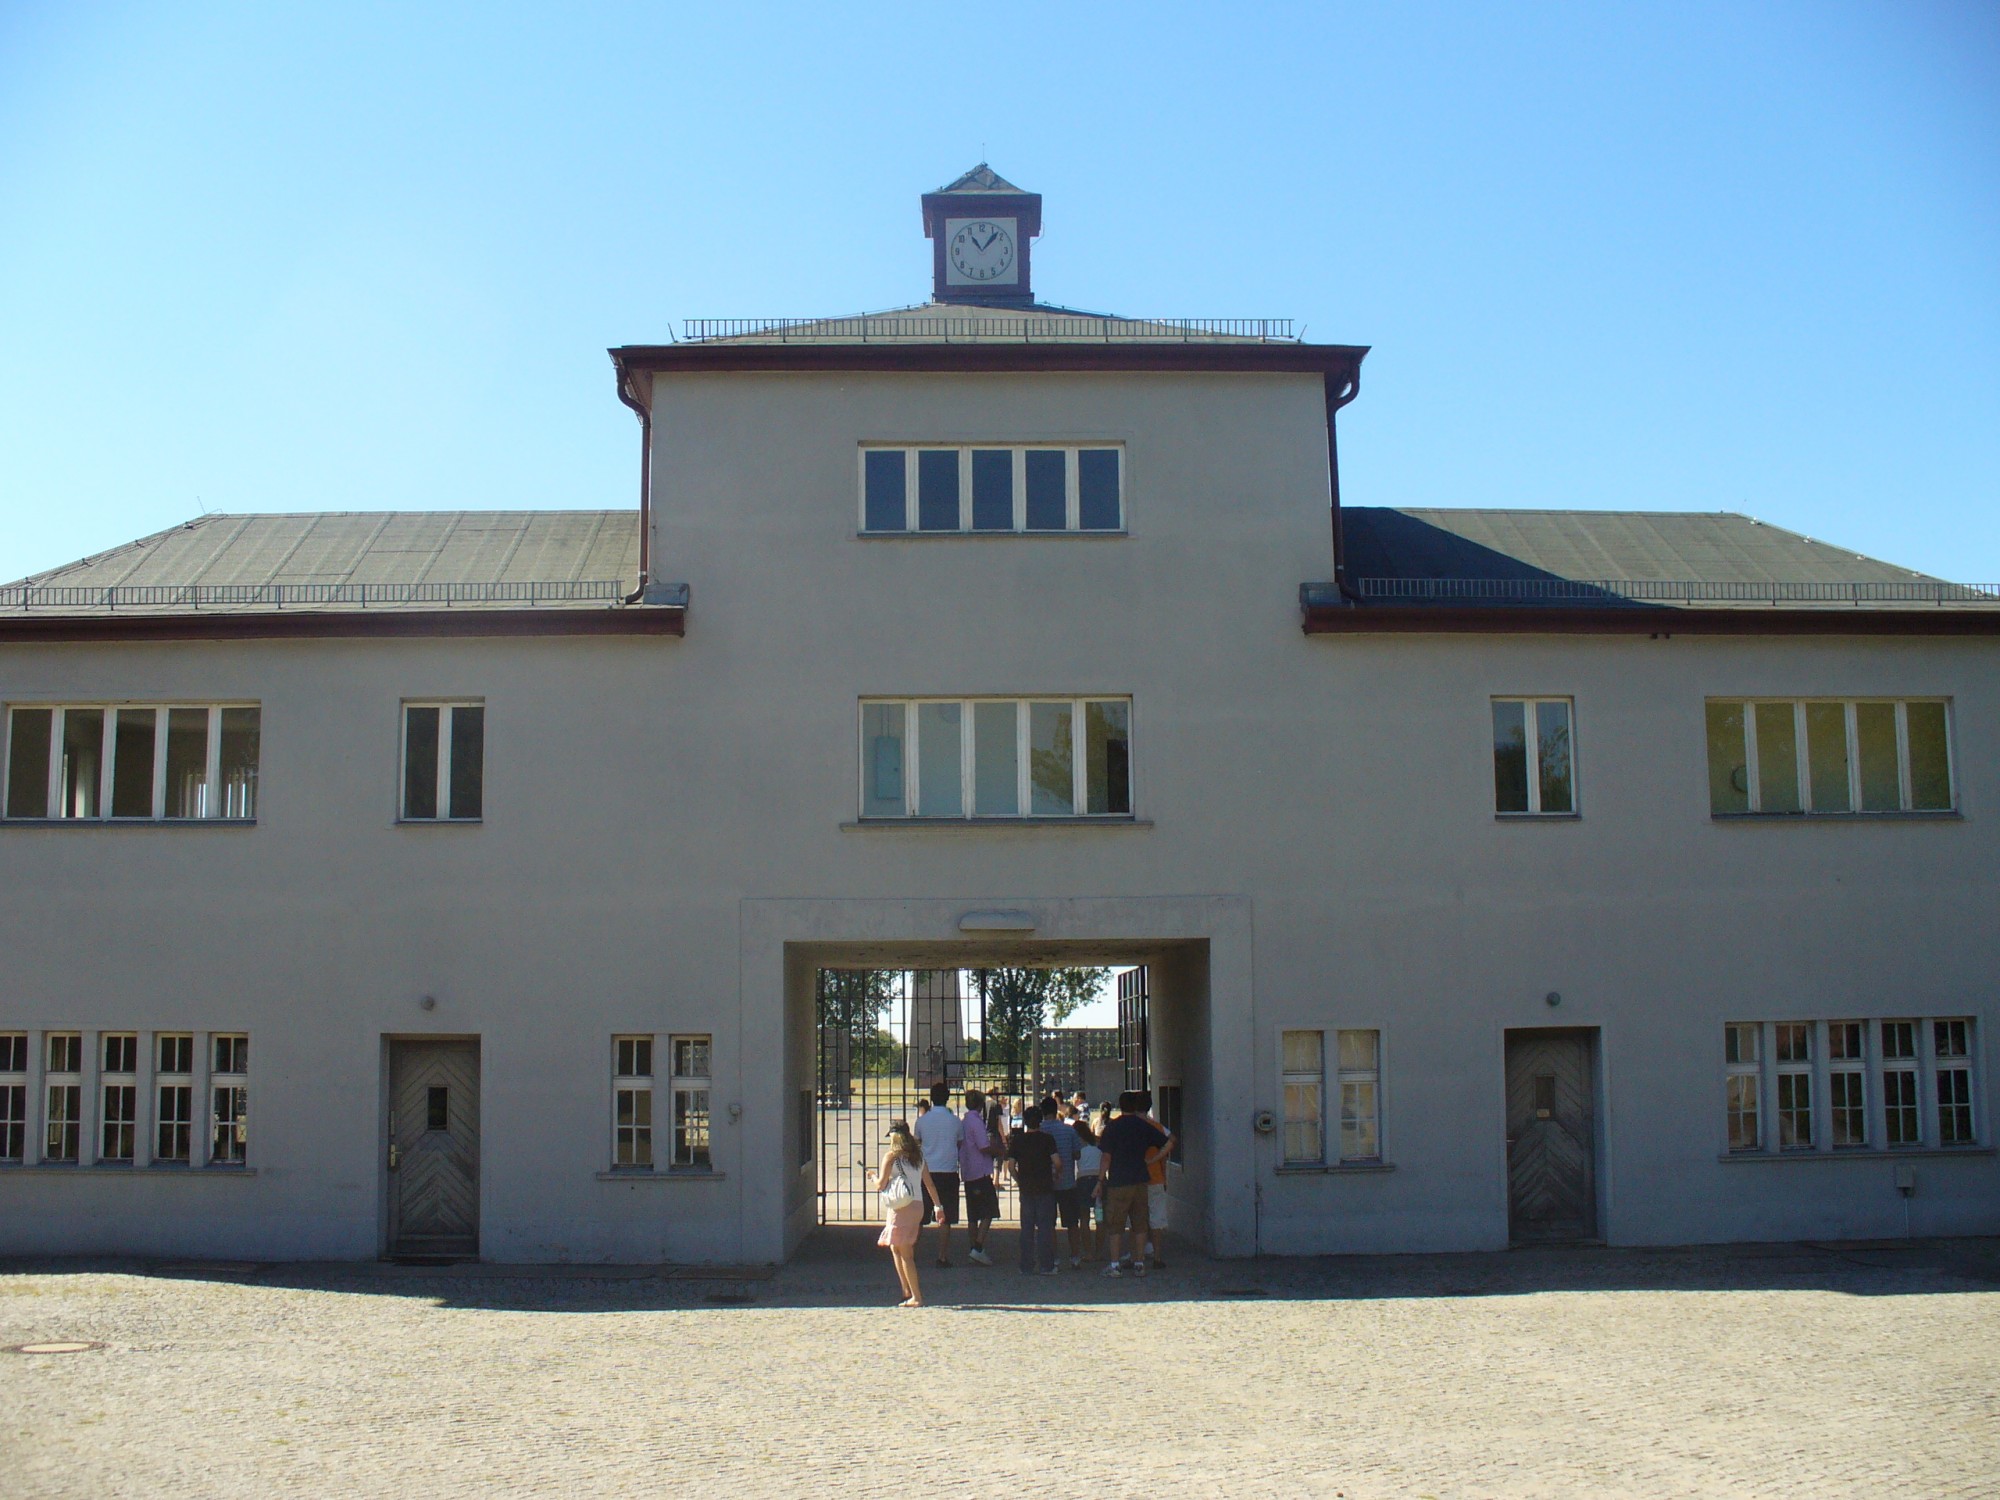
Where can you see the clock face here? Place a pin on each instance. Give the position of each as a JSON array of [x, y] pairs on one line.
[[980, 252]]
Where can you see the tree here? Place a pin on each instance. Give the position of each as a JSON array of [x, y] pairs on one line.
[[1020, 1002], [852, 1000]]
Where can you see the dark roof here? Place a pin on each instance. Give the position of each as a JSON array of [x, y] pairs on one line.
[[981, 179], [975, 323], [337, 560]]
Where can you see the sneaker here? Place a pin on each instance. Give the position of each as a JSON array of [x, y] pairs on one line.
[[979, 1257], [1139, 1268], [1075, 1261], [1114, 1269]]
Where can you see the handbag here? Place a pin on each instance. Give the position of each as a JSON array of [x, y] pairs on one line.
[[898, 1194]]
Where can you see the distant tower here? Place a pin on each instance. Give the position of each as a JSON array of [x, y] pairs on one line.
[[937, 1027], [980, 227]]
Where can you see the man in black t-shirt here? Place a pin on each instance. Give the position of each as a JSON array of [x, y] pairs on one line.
[[1033, 1152], [1125, 1143]]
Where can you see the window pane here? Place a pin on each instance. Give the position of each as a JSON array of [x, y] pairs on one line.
[[1930, 765], [83, 747], [1742, 1044], [884, 508], [1358, 1138], [420, 762], [1777, 759], [996, 760], [1826, 756], [468, 761], [187, 762], [1357, 1051], [882, 760], [1553, 749], [1107, 748], [240, 736], [1728, 776], [691, 1128], [1743, 1133], [1302, 1123], [1051, 759], [1302, 1051], [937, 489], [28, 762], [1510, 757], [939, 793], [1875, 728], [132, 763], [1048, 509], [1097, 489], [992, 489]]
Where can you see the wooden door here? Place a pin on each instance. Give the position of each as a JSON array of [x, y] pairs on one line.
[[1551, 1137], [434, 1148]]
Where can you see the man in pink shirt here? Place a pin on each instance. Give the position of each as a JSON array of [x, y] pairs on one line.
[[975, 1170]]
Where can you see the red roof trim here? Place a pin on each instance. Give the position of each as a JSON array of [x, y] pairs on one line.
[[1380, 619], [1248, 358], [327, 624]]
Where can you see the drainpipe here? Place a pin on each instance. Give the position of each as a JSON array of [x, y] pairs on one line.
[[645, 415], [1340, 389]]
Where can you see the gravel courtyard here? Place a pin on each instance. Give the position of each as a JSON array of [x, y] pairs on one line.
[[1770, 1370]]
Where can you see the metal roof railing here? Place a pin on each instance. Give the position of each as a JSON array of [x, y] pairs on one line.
[[1030, 329], [1667, 591], [278, 595]]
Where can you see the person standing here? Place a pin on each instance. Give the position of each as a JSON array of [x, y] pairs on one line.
[[1125, 1142], [1070, 1204], [903, 1182], [938, 1133], [1089, 1163], [1156, 1194], [975, 1159], [1036, 1160]]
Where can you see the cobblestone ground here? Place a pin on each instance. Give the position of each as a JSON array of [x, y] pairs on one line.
[[1778, 1370]]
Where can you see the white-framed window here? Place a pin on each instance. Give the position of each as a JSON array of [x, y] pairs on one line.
[[1303, 1065], [991, 488], [996, 757], [1847, 1083], [118, 1093], [693, 1067], [13, 1096], [1833, 756], [138, 762], [173, 1090], [1794, 1053], [632, 1103], [1743, 1065], [1360, 1060], [1534, 757], [1952, 1049], [229, 1099], [1902, 1111], [444, 762], [63, 1089]]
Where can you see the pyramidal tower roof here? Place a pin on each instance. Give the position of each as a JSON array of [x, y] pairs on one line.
[[981, 179]]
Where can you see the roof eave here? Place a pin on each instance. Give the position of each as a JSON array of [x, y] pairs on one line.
[[636, 620], [1641, 619], [1247, 358]]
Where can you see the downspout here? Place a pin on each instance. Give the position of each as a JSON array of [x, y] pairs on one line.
[[645, 415], [1340, 389]]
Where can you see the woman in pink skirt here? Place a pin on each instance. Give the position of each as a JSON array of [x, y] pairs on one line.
[[903, 1182]]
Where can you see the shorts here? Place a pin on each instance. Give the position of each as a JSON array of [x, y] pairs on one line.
[[1156, 1205], [1071, 1206], [1125, 1208], [982, 1200], [947, 1186]]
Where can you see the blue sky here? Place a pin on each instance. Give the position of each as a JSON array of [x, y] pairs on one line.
[[357, 256]]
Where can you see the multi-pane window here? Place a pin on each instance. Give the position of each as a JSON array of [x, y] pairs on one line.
[[992, 489], [64, 1092], [1360, 1059], [1952, 1047], [1902, 1114], [229, 1100], [692, 1071], [13, 1096], [1534, 756], [161, 762], [1788, 756], [173, 1078], [444, 762], [1795, 1113], [996, 758], [1304, 1082], [632, 1102], [1743, 1052], [118, 1089], [1847, 1083]]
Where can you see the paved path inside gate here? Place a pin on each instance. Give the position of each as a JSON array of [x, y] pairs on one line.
[[1777, 1370]]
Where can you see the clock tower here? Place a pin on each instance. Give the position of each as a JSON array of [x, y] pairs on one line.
[[980, 227]]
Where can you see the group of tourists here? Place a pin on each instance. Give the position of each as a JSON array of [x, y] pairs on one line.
[[1101, 1176]]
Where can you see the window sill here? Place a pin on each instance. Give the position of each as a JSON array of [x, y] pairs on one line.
[[667, 1174], [1337, 1169], [975, 825], [941, 536], [128, 822], [1946, 815], [1901, 1153], [439, 822], [1538, 817], [119, 1169]]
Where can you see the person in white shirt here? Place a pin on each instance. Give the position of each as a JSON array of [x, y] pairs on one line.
[[937, 1132]]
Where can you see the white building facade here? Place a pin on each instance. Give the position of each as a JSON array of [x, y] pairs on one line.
[[456, 883]]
